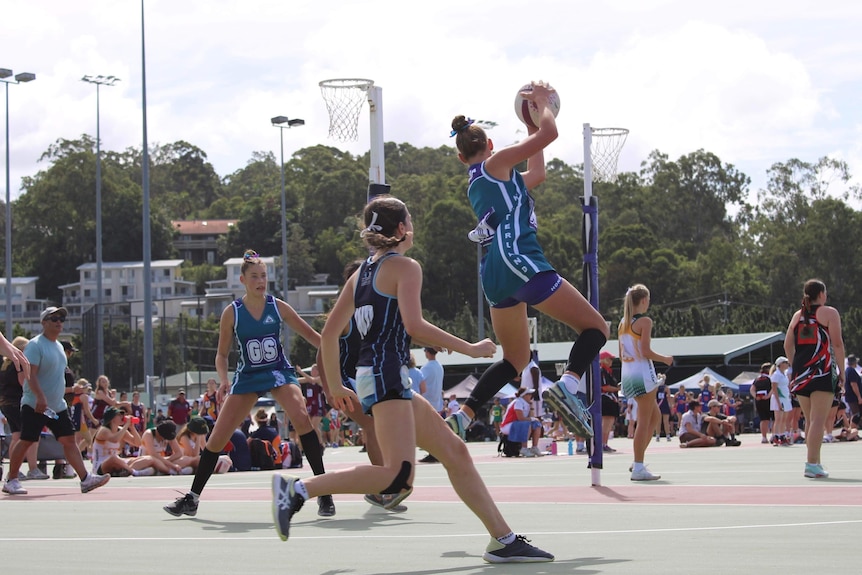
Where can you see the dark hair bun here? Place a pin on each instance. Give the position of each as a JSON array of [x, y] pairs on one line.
[[459, 123]]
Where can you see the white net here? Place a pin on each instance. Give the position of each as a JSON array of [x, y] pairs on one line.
[[344, 99], [607, 143]]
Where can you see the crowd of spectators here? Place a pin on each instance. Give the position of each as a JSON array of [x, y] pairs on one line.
[[122, 436]]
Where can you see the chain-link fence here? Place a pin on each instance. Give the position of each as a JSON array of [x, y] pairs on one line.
[[183, 342]]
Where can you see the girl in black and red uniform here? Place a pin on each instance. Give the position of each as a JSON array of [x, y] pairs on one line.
[[814, 345]]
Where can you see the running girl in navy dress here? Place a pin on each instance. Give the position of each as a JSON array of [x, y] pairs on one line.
[[348, 355], [383, 297], [814, 346], [515, 273], [254, 323]]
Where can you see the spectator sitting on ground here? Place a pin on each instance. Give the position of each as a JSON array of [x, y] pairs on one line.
[[192, 439], [116, 431], [264, 430], [519, 426], [160, 417], [157, 442], [720, 426], [690, 434], [851, 432]]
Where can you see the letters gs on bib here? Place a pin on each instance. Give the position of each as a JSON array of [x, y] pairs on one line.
[[261, 351]]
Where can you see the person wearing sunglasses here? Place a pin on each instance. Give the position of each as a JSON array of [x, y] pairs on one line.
[[43, 405]]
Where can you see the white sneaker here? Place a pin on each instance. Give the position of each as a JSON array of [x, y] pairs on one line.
[[147, 472], [93, 481], [187, 471], [13, 487], [37, 474], [644, 474], [536, 451], [527, 452]]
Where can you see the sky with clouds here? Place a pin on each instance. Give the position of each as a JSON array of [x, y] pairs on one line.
[[753, 82]]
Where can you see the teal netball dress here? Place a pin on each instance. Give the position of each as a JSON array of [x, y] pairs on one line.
[[507, 229], [261, 365]]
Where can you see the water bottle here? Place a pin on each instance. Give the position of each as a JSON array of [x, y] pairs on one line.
[[50, 413], [571, 448]]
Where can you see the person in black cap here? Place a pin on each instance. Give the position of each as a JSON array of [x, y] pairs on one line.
[[192, 438], [155, 443], [118, 429], [42, 404]]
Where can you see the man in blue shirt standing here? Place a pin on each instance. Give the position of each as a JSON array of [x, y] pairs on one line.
[[43, 405], [432, 373], [852, 387]]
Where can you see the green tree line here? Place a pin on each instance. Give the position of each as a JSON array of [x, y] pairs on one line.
[[715, 262]]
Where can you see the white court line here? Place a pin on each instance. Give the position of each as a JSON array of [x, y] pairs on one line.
[[425, 536]]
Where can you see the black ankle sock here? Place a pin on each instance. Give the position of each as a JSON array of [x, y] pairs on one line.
[[584, 350], [205, 469], [490, 382], [311, 447]]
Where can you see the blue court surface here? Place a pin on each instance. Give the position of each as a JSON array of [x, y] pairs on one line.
[[720, 510]]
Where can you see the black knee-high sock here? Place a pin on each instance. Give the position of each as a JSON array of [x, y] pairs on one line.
[[490, 382], [584, 350], [205, 469], [311, 447]]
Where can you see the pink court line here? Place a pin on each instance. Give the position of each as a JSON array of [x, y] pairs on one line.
[[641, 494]]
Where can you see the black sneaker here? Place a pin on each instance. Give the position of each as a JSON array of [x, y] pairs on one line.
[[325, 506], [429, 459], [719, 441], [285, 502], [185, 505], [57, 472], [518, 551]]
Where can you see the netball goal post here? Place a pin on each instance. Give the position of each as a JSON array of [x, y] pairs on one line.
[[345, 98]]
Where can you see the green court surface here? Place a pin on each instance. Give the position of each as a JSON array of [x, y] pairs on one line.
[[720, 509]]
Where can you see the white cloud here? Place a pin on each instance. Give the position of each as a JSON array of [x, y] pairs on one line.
[[756, 84]]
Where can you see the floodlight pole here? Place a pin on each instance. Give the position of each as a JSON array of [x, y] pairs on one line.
[[21, 78], [100, 338], [149, 368], [282, 123]]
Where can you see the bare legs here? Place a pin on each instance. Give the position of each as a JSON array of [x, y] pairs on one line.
[[815, 408], [401, 426], [648, 417]]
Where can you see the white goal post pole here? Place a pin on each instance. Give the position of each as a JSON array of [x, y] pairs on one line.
[[376, 172], [591, 283]]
